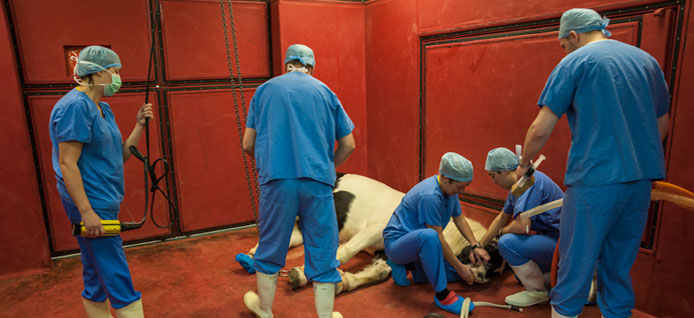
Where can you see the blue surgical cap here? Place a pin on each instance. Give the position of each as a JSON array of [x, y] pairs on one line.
[[501, 159], [456, 167], [582, 20], [94, 59], [302, 53]]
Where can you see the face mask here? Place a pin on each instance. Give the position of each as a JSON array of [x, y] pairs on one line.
[[111, 89]]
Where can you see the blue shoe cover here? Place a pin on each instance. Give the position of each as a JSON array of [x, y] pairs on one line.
[[246, 262], [399, 273], [454, 307]]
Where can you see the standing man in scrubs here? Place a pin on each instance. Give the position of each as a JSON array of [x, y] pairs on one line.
[[292, 125], [527, 245], [414, 238], [88, 156], [616, 100]]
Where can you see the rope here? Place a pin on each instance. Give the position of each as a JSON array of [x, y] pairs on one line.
[[239, 86]]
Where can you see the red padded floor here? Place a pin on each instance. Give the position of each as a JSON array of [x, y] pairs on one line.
[[197, 277]]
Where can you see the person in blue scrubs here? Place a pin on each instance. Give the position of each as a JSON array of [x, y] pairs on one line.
[[616, 100], [88, 157], [414, 239], [527, 245], [293, 122]]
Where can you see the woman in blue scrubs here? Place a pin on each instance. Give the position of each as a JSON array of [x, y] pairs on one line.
[[527, 245], [88, 157]]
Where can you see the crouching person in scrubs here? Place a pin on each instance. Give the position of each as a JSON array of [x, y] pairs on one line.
[[414, 235], [293, 123], [88, 156], [526, 244], [617, 104]]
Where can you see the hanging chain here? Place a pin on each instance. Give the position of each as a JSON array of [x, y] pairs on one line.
[[243, 96], [236, 106]]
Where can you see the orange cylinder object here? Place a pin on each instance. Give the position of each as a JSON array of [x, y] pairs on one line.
[[555, 266]]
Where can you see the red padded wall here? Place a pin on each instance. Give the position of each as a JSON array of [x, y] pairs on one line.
[[194, 39], [663, 282], [336, 35], [45, 27], [22, 230], [124, 107], [437, 16], [210, 175], [392, 81]]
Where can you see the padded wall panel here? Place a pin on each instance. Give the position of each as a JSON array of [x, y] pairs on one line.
[[45, 27], [194, 39], [209, 168], [472, 104], [336, 35], [664, 283], [124, 107], [437, 16], [392, 94], [22, 230]]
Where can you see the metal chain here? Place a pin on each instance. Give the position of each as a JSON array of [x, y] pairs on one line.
[[236, 106], [243, 96]]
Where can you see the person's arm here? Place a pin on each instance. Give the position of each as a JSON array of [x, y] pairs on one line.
[[663, 126], [518, 226], [536, 137], [134, 138], [69, 153], [476, 254], [499, 222], [345, 147], [463, 270], [249, 142]]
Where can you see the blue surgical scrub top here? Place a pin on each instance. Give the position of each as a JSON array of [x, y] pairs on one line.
[[297, 120], [612, 94], [75, 117], [425, 204], [544, 190]]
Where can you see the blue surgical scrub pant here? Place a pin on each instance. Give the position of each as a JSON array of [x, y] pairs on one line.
[[281, 201], [519, 249], [423, 248], [104, 269], [602, 223]]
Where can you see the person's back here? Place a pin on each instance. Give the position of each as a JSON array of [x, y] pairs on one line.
[[619, 93], [296, 115], [293, 123], [616, 100]]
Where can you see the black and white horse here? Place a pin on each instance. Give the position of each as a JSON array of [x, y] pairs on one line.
[[364, 207]]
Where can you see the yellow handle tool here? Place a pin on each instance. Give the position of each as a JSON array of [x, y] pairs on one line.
[[111, 227]]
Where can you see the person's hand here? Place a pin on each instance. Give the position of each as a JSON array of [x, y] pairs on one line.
[[515, 227], [92, 224], [479, 256], [521, 171], [144, 112], [465, 272]]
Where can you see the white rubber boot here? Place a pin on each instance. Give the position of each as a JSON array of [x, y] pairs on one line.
[[535, 292], [324, 296], [97, 309], [555, 314], [133, 310], [261, 303]]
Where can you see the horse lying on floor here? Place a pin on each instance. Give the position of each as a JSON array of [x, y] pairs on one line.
[[364, 207]]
